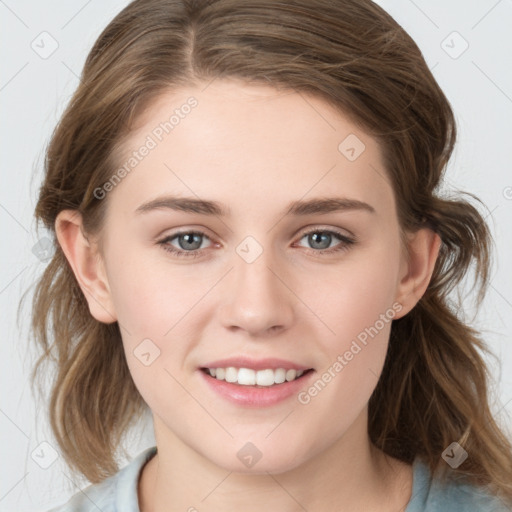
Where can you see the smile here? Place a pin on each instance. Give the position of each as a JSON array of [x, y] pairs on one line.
[[249, 377]]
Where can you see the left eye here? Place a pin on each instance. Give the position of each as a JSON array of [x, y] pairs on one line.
[[318, 237], [190, 242]]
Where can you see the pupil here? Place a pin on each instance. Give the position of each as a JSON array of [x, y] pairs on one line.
[[187, 238], [314, 237]]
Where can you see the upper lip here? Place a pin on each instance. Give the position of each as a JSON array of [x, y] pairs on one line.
[[255, 364]]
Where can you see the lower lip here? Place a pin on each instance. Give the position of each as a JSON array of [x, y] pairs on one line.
[[252, 396]]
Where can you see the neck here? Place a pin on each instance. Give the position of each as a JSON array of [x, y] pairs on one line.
[[351, 472]]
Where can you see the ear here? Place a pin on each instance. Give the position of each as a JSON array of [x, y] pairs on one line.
[[419, 258], [87, 265]]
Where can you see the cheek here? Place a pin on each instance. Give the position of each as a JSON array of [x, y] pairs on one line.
[[358, 292], [149, 296], [358, 307], [152, 308], [156, 304]]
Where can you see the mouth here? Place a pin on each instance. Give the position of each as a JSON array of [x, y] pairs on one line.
[[248, 377], [255, 383]]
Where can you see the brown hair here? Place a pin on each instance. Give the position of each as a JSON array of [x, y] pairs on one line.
[[353, 55]]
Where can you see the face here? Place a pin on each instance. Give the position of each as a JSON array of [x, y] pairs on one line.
[[314, 287]]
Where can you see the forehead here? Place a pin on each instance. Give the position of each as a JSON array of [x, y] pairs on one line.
[[250, 147]]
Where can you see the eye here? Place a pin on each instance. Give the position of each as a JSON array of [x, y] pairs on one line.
[[321, 240], [190, 242]]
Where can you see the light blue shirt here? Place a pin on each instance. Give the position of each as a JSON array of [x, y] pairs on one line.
[[118, 493]]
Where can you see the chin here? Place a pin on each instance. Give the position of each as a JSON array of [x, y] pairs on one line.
[[250, 460]]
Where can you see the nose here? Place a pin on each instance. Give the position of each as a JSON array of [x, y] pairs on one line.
[[258, 297]]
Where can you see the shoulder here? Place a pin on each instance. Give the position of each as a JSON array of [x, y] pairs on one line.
[[429, 495], [467, 498], [117, 493]]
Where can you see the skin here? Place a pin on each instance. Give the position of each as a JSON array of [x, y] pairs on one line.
[[255, 150]]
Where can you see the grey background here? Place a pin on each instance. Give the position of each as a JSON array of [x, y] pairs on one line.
[[35, 88]]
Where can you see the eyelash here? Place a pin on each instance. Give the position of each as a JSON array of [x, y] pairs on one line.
[[345, 244]]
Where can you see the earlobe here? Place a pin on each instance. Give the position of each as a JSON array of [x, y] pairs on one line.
[[86, 263], [423, 250]]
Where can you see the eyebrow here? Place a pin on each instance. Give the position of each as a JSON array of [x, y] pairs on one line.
[[296, 208]]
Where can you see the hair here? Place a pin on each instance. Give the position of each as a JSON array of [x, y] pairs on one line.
[[353, 55]]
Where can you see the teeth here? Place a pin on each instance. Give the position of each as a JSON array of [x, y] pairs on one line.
[[249, 377], [231, 374], [291, 374], [264, 377], [246, 377], [280, 376]]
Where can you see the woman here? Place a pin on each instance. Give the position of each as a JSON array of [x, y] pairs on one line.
[[302, 353]]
